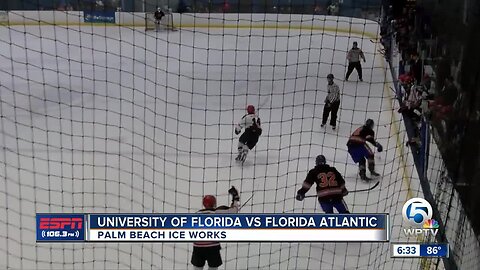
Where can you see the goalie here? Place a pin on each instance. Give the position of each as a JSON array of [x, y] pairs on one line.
[[158, 15], [210, 251], [249, 138]]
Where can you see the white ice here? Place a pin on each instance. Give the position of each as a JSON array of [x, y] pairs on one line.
[[112, 119]]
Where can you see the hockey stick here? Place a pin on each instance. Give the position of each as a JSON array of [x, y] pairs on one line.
[[366, 189], [253, 193], [353, 191]]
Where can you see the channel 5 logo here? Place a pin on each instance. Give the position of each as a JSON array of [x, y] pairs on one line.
[[418, 212]]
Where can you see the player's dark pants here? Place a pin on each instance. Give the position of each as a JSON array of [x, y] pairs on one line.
[[354, 65], [332, 108], [209, 254], [337, 203], [250, 138]]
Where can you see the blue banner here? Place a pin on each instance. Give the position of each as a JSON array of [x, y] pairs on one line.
[[99, 16], [60, 227], [434, 250], [237, 221]]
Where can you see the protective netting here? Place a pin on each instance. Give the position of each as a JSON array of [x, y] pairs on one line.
[[459, 231], [109, 118]]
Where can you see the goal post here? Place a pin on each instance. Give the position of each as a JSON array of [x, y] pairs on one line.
[[165, 24]]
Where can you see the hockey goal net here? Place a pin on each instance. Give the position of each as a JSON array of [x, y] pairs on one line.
[[165, 24]]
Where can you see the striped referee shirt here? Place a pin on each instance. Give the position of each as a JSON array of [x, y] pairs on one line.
[[333, 93]]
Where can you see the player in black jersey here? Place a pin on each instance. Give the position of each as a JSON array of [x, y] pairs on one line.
[[360, 151], [209, 251], [330, 187]]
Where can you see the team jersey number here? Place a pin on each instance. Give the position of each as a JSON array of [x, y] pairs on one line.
[[327, 179], [256, 126], [256, 122]]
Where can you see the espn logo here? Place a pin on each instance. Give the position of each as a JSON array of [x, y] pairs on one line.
[[60, 223]]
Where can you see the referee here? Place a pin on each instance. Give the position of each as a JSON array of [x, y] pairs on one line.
[[332, 102], [353, 57]]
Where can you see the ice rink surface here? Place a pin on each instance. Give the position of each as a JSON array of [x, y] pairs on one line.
[[113, 119]]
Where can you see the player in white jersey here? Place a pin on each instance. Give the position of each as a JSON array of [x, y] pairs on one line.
[[209, 251], [249, 138]]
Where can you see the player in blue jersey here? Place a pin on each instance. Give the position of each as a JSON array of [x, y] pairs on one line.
[[209, 251], [330, 187], [360, 151]]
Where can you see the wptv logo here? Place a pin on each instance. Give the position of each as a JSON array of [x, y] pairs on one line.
[[418, 212]]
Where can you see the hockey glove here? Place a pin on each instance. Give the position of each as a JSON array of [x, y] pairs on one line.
[[379, 147], [300, 196], [237, 131], [259, 131], [234, 192]]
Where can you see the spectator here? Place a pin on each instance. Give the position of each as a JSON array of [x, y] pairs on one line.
[[416, 68], [449, 92], [442, 106], [413, 102], [333, 9], [226, 7], [183, 6], [406, 82], [317, 10]]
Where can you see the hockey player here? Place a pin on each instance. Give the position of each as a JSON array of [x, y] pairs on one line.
[[332, 102], [330, 187], [360, 151], [249, 138], [353, 58], [210, 251], [158, 15]]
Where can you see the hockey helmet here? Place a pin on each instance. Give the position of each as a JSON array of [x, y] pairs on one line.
[[250, 109], [159, 9], [330, 76], [369, 123], [320, 160], [209, 201], [355, 44]]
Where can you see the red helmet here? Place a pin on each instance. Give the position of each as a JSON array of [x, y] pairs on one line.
[[209, 201], [250, 109]]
